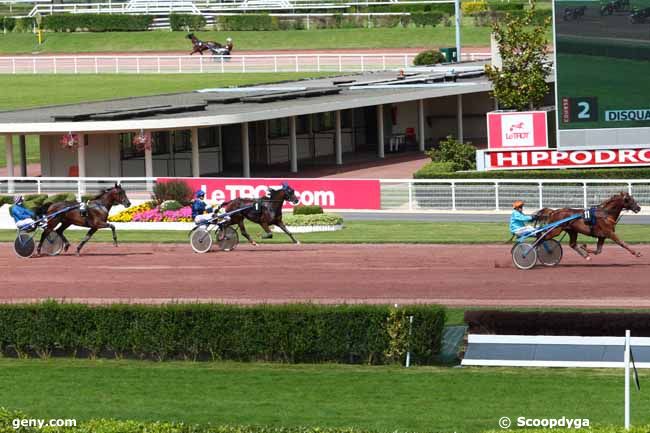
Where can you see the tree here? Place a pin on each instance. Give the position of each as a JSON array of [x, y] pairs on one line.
[[455, 155], [521, 81]]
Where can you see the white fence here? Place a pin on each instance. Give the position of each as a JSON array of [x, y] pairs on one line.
[[209, 64], [400, 194]]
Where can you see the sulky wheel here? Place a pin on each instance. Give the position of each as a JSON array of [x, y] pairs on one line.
[[24, 245], [52, 245], [227, 238], [524, 256], [549, 252], [201, 240]]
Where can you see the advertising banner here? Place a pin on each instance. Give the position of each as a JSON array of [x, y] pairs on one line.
[[536, 159], [327, 193], [517, 130]]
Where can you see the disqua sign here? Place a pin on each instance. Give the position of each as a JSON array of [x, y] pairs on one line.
[[327, 193], [503, 160], [517, 130]]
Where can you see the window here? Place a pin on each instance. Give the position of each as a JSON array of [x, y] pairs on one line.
[[324, 121], [209, 137], [279, 128]]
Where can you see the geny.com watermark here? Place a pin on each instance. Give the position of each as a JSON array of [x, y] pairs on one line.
[[17, 423], [564, 422]]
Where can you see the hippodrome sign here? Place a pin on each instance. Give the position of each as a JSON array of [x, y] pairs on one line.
[[327, 193], [601, 77], [535, 159], [517, 130]]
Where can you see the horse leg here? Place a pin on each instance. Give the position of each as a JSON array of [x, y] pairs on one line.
[[267, 231], [599, 247], [90, 233], [573, 243], [284, 229], [66, 243], [112, 227], [242, 228], [616, 239], [44, 235]]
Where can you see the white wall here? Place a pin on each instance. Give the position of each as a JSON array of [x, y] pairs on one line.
[[102, 156]]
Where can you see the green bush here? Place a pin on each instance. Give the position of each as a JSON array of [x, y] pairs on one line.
[[286, 333], [461, 156], [325, 219], [474, 7], [445, 8], [6, 199], [502, 6], [307, 210], [170, 205], [96, 22], [248, 22], [423, 19], [186, 22], [176, 190], [64, 196], [483, 19], [429, 57], [430, 172], [8, 23]]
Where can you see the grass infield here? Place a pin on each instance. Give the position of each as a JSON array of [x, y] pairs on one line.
[[360, 232], [385, 399]]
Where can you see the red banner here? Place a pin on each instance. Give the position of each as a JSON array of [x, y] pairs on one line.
[[517, 130], [327, 193], [566, 159]]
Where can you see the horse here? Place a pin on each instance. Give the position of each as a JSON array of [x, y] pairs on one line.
[[607, 215], [96, 216], [264, 211], [198, 46], [574, 13]]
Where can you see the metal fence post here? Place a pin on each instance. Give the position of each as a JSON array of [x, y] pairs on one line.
[[383, 62], [318, 62], [158, 62], [34, 65], [222, 66], [201, 63], [340, 64], [363, 68], [410, 195], [496, 195], [13, 65], [541, 188], [137, 64], [54, 64], [629, 188], [275, 63], [243, 63], [96, 66], [406, 60], [453, 196], [38, 186], [180, 64], [584, 194], [297, 66]]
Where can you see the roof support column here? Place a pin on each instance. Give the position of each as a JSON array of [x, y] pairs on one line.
[[459, 98], [245, 151], [337, 139], [421, 125], [23, 155], [148, 166], [9, 149], [293, 144], [196, 163], [81, 162], [380, 131]]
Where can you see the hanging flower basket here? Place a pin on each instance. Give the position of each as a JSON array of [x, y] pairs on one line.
[[142, 141], [70, 141]]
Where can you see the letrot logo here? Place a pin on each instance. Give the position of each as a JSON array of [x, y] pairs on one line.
[[517, 130]]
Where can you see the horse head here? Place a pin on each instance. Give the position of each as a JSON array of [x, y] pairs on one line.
[[190, 36], [289, 193], [629, 203], [542, 216], [118, 196]]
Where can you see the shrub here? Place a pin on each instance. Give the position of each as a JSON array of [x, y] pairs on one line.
[[423, 19], [186, 22], [307, 210], [435, 169], [244, 22], [8, 23], [474, 7], [287, 333], [324, 219], [461, 156], [64, 196], [170, 205], [6, 199], [509, 7], [176, 190], [96, 22], [428, 57]]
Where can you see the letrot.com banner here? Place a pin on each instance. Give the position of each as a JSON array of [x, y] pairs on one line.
[[566, 159], [328, 193], [517, 130]]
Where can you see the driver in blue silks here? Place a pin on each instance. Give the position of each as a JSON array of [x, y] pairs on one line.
[[518, 219], [200, 207], [23, 216]]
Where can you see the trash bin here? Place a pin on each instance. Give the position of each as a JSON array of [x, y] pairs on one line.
[[450, 54]]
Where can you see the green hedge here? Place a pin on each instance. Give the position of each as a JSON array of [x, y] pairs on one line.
[[445, 8], [501, 6], [434, 171], [186, 22], [11, 24], [307, 210], [423, 19], [6, 199], [483, 19], [247, 22], [96, 22], [324, 219], [428, 57], [286, 333]]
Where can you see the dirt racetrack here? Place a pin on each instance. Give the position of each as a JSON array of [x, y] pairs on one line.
[[449, 274]]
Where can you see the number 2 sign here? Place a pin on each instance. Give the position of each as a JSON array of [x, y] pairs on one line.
[[580, 109]]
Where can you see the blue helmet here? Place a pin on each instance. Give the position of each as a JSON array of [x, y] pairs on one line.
[[18, 199], [200, 193]]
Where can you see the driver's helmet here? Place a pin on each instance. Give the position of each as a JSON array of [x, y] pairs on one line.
[[228, 40], [200, 194], [518, 204], [18, 199]]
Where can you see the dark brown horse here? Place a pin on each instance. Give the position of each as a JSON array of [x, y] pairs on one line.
[[96, 216], [199, 46], [265, 211], [607, 215]]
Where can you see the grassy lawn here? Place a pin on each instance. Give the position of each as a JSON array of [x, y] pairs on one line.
[[19, 91], [32, 149], [14, 43], [422, 399], [359, 232]]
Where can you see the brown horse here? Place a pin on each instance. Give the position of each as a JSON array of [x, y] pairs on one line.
[[264, 211], [198, 46], [96, 216], [607, 215]]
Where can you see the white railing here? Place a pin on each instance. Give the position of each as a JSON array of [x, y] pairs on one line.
[[400, 194], [210, 64], [498, 195]]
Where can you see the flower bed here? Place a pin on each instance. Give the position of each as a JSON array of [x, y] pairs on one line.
[[312, 223], [147, 212]]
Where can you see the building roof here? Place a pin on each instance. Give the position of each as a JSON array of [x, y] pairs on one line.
[[208, 107]]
